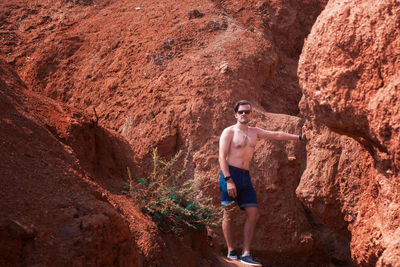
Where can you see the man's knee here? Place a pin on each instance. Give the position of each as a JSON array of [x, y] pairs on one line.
[[256, 215], [228, 213], [253, 213]]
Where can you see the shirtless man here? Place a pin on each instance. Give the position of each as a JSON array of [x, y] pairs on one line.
[[236, 148]]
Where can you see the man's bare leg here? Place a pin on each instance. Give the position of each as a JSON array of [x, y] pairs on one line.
[[249, 226], [226, 227]]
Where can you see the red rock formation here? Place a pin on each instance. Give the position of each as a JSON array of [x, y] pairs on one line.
[[166, 74], [50, 216], [349, 75], [61, 191], [285, 24]]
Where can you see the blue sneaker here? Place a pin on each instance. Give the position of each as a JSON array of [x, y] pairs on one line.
[[248, 259], [232, 255]]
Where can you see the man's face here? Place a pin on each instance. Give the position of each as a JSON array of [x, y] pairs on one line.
[[244, 114]]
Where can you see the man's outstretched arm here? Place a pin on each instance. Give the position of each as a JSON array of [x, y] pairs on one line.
[[277, 135]]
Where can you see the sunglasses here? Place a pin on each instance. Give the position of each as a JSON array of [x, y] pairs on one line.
[[244, 111]]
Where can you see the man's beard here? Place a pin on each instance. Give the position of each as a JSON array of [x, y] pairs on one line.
[[244, 121]]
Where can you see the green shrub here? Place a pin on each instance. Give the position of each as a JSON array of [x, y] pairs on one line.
[[174, 204]]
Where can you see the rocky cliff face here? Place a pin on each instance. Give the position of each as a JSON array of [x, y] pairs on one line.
[[348, 71], [166, 74], [49, 214], [124, 77], [61, 191]]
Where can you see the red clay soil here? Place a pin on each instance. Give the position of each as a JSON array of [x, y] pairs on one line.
[[91, 87]]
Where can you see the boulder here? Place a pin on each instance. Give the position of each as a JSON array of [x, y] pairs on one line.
[[348, 72]]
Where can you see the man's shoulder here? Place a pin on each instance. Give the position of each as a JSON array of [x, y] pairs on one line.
[[254, 129], [229, 130]]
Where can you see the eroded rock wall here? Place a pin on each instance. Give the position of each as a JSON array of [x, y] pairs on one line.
[[49, 214], [285, 24], [61, 191], [166, 74], [348, 72]]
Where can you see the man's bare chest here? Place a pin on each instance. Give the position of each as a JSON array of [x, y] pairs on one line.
[[244, 140]]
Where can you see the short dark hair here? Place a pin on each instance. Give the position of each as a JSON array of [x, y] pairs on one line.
[[241, 102]]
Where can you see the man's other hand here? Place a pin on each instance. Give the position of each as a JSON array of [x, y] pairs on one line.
[[230, 185]]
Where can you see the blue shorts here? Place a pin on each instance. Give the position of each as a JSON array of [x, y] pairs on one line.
[[246, 195]]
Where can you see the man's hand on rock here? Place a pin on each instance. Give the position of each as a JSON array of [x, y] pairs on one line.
[[303, 137]]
